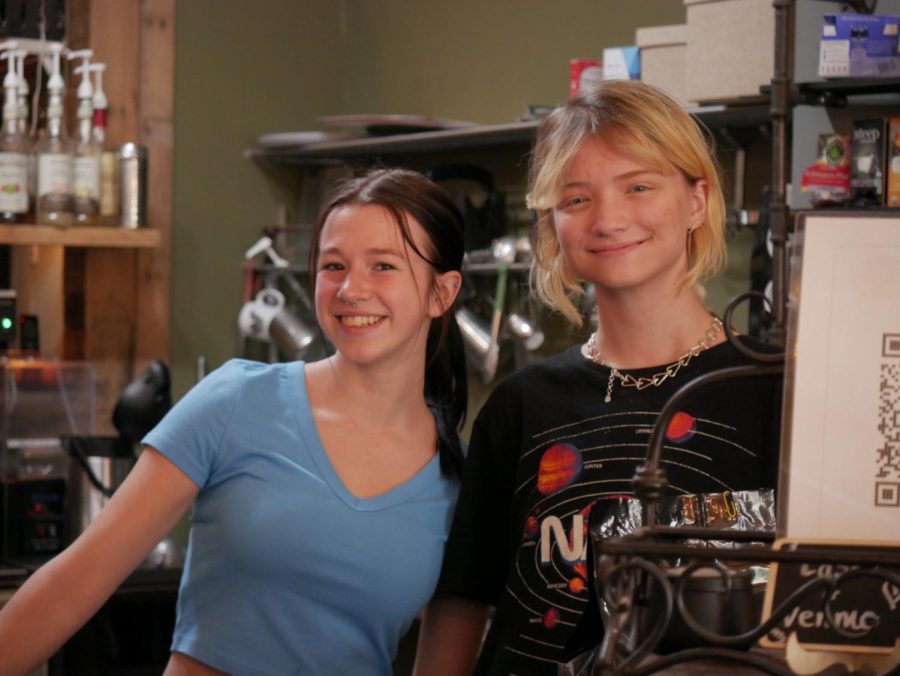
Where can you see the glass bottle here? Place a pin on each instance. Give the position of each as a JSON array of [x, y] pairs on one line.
[[13, 155], [86, 170], [54, 158], [109, 161]]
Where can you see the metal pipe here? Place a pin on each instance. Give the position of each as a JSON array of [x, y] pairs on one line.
[[780, 108]]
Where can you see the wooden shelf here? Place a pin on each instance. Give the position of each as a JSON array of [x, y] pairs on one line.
[[476, 136], [448, 139], [94, 237]]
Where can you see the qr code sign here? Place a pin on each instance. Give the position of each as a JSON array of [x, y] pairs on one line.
[[887, 476], [891, 345]]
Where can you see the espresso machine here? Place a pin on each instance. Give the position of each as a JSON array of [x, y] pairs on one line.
[[56, 474]]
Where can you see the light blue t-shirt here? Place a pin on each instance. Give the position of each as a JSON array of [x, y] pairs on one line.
[[287, 572]]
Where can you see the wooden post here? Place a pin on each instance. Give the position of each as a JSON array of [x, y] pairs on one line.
[[126, 293]]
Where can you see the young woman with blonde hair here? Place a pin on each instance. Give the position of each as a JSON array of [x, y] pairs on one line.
[[628, 200]]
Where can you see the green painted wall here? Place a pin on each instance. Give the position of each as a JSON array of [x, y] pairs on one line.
[[242, 69], [478, 60], [247, 68]]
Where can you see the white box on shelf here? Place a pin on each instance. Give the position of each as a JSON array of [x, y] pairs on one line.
[[622, 63], [730, 48], [664, 58]]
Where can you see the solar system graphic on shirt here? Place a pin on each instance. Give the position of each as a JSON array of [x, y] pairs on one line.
[[566, 470]]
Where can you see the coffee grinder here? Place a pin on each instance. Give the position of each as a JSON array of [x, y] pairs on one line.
[[101, 463]]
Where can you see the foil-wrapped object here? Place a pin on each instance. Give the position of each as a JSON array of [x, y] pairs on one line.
[[727, 510]]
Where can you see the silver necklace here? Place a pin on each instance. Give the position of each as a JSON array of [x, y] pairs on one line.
[[592, 351]]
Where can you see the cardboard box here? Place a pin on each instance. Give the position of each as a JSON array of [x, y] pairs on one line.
[[622, 63], [730, 49], [867, 161], [664, 58], [859, 45], [892, 198]]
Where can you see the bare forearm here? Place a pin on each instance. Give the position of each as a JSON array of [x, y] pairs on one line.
[[450, 637], [54, 602], [64, 593]]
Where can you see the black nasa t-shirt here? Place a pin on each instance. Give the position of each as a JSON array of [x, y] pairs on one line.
[[545, 447]]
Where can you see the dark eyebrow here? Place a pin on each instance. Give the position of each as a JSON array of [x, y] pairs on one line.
[[369, 252]]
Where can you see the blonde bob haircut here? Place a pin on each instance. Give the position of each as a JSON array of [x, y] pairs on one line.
[[644, 123]]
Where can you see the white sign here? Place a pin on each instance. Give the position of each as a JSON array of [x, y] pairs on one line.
[[842, 431]]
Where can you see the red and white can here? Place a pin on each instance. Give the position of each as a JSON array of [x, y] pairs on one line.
[[583, 72]]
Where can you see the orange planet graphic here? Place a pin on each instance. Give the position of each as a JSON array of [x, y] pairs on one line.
[[576, 585], [560, 465], [681, 427]]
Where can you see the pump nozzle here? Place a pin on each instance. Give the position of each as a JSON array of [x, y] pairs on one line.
[[10, 83], [21, 80], [10, 80], [7, 47], [85, 90], [99, 101], [55, 84]]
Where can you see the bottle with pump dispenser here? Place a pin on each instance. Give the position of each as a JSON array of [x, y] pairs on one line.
[[24, 116], [109, 165], [86, 153], [13, 149], [54, 155]]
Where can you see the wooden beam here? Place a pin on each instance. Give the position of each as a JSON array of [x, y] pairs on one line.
[[157, 116]]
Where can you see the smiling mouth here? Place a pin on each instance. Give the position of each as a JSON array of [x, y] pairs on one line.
[[360, 320], [616, 249]]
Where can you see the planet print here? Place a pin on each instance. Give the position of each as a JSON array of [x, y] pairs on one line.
[[681, 427], [531, 527], [560, 465], [551, 618], [576, 585]]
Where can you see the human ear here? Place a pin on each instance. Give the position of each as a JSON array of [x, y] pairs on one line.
[[699, 190], [444, 292]]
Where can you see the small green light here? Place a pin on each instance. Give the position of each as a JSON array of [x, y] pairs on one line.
[[6, 323]]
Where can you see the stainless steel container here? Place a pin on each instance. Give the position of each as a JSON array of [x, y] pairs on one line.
[[133, 186]]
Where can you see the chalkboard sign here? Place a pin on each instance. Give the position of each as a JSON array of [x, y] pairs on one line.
[[864, 603]]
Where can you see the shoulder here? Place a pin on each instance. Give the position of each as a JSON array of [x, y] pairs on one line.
[[726, 354], [246, 372], [541, 383], [559, 367], [539, 378]]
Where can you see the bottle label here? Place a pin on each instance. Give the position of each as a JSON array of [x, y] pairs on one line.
[[14, 182], [109, 184], [54, 174], [86, 177]]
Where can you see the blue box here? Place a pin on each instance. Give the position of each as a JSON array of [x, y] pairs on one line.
[[622, 63], [859, 45]]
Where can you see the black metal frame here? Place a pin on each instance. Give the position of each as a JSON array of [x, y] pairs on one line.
[[632, 560]]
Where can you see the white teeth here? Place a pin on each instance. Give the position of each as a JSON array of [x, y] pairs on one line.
[[360, 320]]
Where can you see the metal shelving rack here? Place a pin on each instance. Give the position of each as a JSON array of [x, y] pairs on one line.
[[476, 136]]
